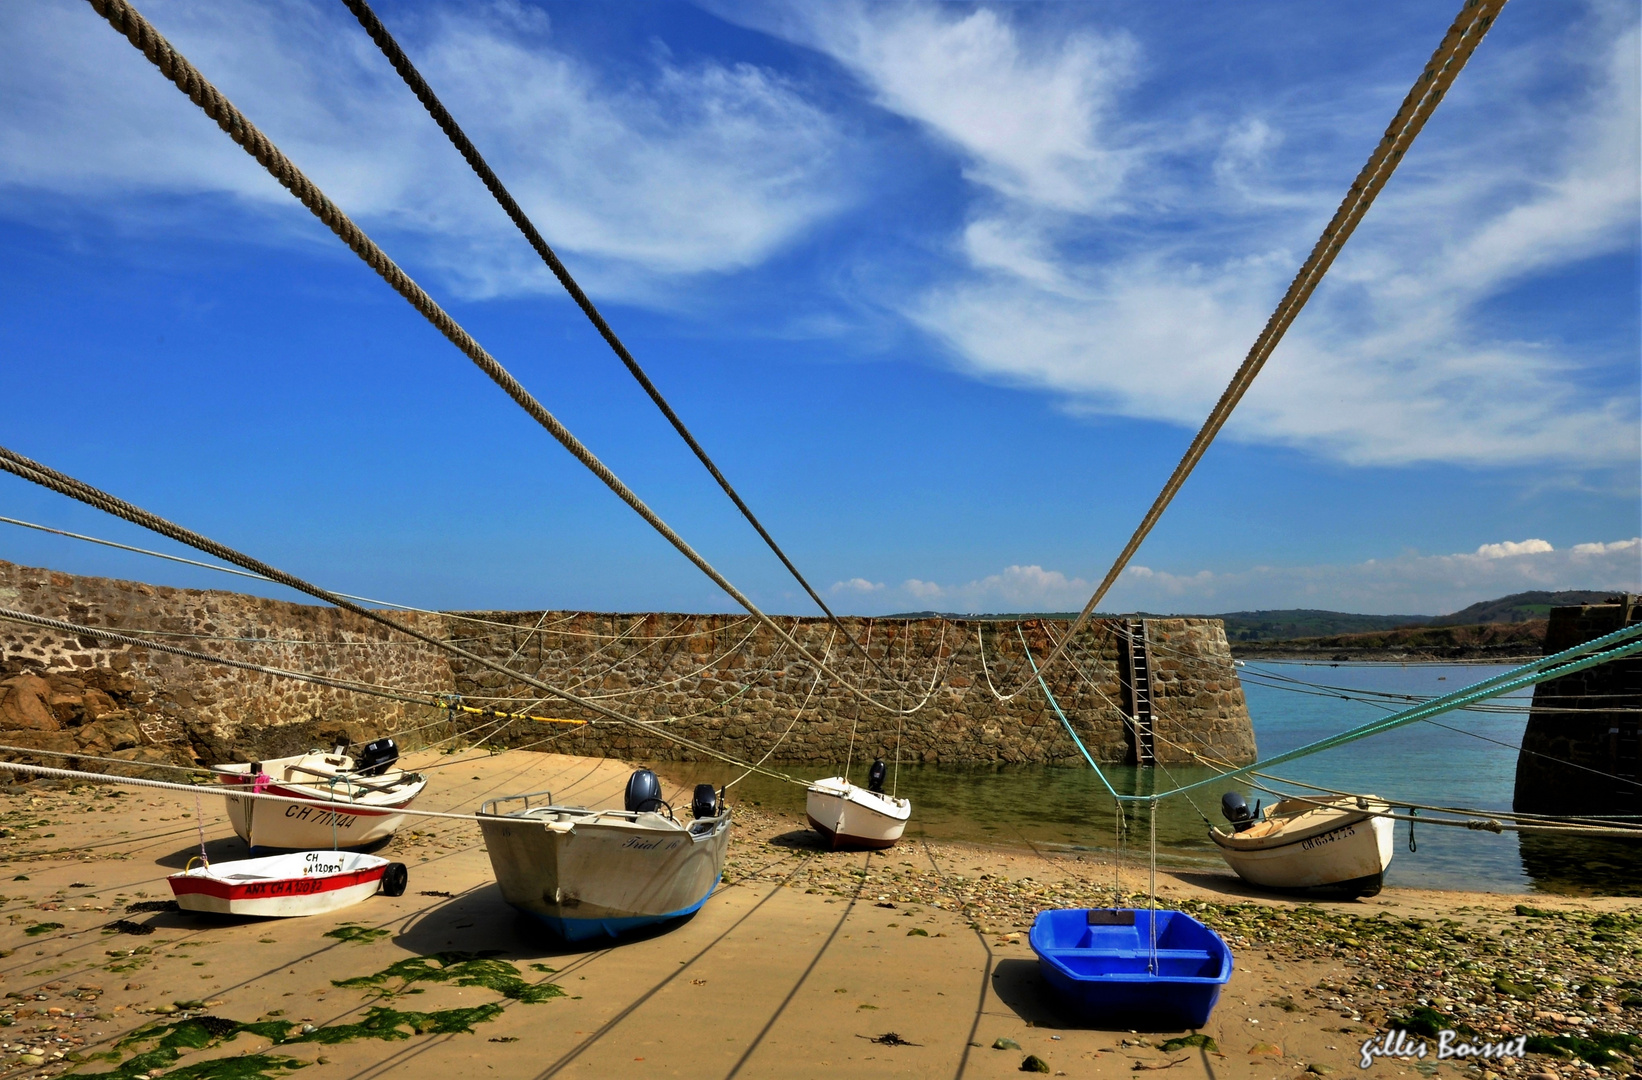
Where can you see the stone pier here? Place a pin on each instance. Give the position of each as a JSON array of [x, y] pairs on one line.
[[1582, 750], [720, 680]]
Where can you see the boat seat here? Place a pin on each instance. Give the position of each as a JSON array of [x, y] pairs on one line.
[[1087, 963]]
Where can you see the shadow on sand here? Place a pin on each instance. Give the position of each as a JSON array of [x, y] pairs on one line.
[[479, 920]]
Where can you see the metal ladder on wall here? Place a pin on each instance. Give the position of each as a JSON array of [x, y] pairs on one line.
[[1140, 691]]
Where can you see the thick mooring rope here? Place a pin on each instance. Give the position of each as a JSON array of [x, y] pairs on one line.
[[1469, 26], [19, 465], [504, 198], [124, 18]]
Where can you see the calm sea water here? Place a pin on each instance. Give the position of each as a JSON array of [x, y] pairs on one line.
[[1462, 759]]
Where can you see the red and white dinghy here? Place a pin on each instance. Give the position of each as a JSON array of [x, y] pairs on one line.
[[375, 792], [301, 883]]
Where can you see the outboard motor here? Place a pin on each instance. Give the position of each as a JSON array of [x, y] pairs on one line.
[[706, 803], [875, 776], [1236, 810], [643, 792], [376, 758]]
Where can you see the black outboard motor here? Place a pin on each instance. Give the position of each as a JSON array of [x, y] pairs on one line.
[[643, 792], [1236, 810], [376, 758], [706, 803], [875, 776]]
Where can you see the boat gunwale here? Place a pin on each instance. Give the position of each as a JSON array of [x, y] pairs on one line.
[[1278, 837]]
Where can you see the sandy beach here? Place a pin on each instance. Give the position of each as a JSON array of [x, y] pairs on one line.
[[805, 963]]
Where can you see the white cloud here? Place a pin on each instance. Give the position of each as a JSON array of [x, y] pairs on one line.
[[695, 168], [1506, 548], [1093, 269], [860, 586], [922, 590], [1409, 584], [1029, 117]]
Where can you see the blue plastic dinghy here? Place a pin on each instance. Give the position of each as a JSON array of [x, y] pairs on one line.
[[1099, 961]]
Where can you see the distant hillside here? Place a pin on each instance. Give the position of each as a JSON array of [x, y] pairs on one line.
[[1306, 623], [1305, 626], [1475, 642], [1521, 607]]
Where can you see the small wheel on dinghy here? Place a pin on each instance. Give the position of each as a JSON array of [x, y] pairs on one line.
[[394, 879]]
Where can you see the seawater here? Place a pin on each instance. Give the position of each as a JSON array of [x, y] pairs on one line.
[[1462, 758]]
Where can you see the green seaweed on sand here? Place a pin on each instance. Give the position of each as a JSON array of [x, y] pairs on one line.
[[1601, 1048], [1184, 1041], [42, 928], [1426, 1021], [389, 1025], [171, 1039], [359, 935], [1524, 991], [460, 968]]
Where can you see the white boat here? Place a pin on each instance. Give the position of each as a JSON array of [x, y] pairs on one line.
[[1337, 845], [847, 816], [301, 883], [374, 790], [589, 873]]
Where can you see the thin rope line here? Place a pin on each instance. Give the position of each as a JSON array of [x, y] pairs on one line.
[[125, 19], [67, 485], [813, 686], [1464, 35], [470, 153]]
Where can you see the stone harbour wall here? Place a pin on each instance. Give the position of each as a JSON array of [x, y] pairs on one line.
[[66, 693], [720, 680]]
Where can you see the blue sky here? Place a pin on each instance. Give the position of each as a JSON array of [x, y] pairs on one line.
[[945, 289]]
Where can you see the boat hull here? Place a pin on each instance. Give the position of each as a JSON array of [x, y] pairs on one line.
[[269, 826], [1099, 966], [850, 817], [281, 886], [587, 875], [1343, 855]]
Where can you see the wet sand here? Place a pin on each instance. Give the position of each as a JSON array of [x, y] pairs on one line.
[[793, 968]]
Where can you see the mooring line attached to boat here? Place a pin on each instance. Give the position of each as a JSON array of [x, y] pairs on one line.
[[233, 792], [21, 466], [470, 153], [774, 746], [1473, 22], [1601, 650], [130, 24]]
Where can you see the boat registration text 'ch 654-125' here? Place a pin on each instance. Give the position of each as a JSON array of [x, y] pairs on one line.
[[1328, 837]]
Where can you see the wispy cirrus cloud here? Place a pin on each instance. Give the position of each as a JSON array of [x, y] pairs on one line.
[[1126, 267], [693, 168], [1407, 584]]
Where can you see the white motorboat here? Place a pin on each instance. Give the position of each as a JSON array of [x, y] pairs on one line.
[[302, 883], [1340, 845], [375, 791], [847, 816], [589, 873]]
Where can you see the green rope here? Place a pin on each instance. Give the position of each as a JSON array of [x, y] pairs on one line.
[[1067, 724], [1614, 646]]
